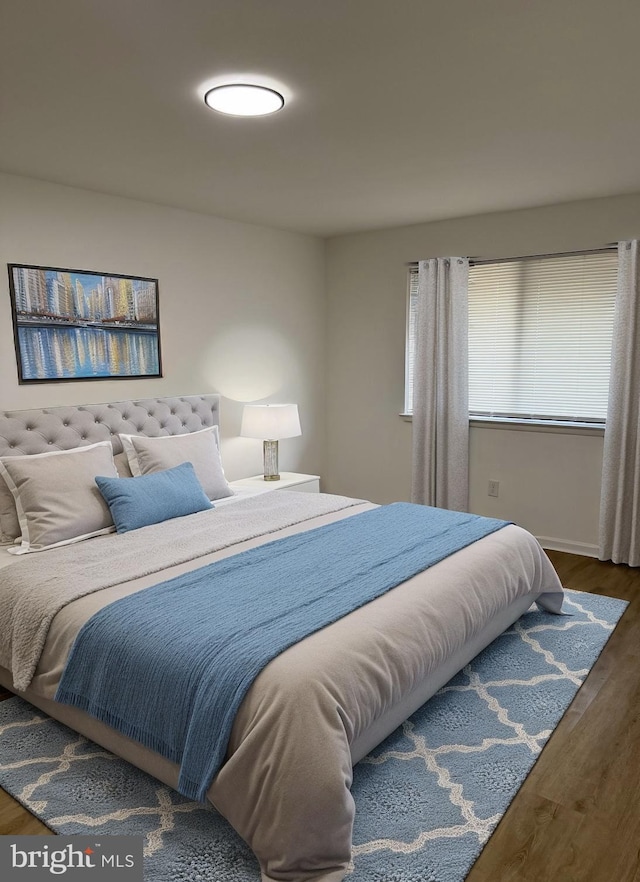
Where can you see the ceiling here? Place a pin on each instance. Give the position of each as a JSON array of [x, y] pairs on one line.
[[398, 111]]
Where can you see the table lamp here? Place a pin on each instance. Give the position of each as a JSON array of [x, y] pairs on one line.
[[271, 422]]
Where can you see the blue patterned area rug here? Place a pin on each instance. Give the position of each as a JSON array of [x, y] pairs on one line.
[[427, 799]]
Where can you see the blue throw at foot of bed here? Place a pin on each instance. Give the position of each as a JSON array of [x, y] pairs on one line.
[[169, 665]]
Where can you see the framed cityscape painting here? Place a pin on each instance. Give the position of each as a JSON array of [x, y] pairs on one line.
[[83, 325]]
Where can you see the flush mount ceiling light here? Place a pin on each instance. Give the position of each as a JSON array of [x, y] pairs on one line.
[[243, 99]]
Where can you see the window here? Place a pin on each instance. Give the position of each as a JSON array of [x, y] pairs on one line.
[[539, 337]]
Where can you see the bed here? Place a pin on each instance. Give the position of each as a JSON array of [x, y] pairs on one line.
[[320, 705]]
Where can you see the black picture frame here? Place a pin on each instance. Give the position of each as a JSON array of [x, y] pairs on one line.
[[73, 325]]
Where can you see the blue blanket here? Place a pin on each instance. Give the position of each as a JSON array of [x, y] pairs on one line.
[[170, 665]]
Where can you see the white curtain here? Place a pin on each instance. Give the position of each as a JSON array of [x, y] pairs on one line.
[[620, 501], [440, 474]]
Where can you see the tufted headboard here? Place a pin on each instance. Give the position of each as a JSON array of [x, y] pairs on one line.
[[61, 428]]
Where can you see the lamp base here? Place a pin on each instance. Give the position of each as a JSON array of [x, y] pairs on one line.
[[270, 450]]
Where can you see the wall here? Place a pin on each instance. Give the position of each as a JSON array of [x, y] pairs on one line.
[[242, 307], [242, 311], [549, 483]]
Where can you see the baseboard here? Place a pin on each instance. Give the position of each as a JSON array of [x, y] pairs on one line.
[[583, 548]]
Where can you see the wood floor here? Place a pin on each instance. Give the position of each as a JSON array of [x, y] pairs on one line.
[[577, 816]]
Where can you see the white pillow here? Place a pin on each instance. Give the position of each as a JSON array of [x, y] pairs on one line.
[[201, 449], [56, 496], [9, 526]]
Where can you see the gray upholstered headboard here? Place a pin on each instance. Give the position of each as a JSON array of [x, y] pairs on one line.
[[61, 428]]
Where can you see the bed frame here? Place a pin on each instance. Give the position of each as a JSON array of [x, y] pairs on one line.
[[61, 428], [38, 431]]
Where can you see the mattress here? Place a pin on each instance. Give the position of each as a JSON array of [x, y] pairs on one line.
[[322, 704]]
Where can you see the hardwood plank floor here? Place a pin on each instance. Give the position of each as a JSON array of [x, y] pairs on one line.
[[577, 816]]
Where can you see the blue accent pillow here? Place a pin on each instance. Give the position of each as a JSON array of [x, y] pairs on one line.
[[151, 499]]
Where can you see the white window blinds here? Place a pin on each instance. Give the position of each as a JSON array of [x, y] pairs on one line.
[[539, 336], [411, 339]]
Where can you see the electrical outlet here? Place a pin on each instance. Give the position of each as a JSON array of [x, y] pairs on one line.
[[494, 487]]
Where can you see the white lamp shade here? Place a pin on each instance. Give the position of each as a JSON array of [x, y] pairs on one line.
[[270, 421]]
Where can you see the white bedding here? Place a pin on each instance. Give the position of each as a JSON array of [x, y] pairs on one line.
[[327, 700], [6, 558], [242, 493]]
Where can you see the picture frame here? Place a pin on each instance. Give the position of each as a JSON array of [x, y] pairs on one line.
[[72, 325]]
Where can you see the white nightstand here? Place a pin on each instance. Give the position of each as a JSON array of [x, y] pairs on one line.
[[288, 481]]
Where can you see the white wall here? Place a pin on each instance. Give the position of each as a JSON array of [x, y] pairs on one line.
[[549, 483], [242, 307]]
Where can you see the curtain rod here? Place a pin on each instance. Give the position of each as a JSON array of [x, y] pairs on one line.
[[475, 261], [478, 261]]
